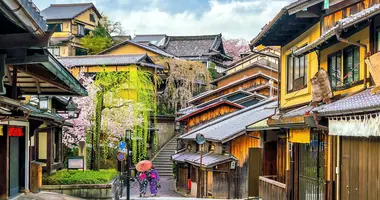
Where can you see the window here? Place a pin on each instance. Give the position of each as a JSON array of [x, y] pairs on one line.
[[297, 72], [351, 62], [92, 18], [81, 29], [54, 50], [57, 29], [377, 36], [80, 51], [335, 69]]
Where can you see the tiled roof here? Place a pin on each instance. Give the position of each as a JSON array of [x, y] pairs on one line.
[[358, 103], [34, 13], [234, 124], [55, 41], [148, 47], [208, 93], [210, 159], [299, 112], [200, 110], [253, 65], [340, 25], [157, 40], [110, 60], [35, 112], [66, 11], [182, 156], [195, 46]]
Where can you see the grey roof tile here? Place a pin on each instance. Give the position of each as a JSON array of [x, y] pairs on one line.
[[195, 46], [100, 60], [66, 11], [234, 124], [358, 103], [182, 156], [298, 112], [210, 159], [158, 39]]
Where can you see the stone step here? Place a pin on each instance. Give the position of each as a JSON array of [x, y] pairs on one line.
[[158, 166]]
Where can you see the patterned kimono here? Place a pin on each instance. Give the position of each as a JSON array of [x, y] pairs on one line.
[[143, 181], [153, 181]]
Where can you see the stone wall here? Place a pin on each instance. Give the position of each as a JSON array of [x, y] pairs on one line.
[[166, 129], [86, 191]]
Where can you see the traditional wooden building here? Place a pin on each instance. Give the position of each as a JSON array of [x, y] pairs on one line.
[[226, 153], [26, 68], [328, 144], [70, 23]]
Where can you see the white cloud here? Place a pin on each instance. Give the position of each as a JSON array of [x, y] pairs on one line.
[[234, 20]]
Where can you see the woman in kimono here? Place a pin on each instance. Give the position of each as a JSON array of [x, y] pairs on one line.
[[154, 183], [143, 181]]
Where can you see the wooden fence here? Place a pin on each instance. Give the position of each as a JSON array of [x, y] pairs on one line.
[[270, 189]]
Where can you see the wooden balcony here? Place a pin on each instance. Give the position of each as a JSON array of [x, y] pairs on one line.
[[270, 189]]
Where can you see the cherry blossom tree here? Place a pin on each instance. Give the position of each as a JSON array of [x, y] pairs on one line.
[[235, 47]]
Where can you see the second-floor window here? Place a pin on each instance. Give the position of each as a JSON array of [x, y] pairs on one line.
[[296, 72], [81, 31], [54, 50], [335, 69], [351, 56], [57, 29], [92, 18]]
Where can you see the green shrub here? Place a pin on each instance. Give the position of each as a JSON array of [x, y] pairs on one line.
[[69, 177]]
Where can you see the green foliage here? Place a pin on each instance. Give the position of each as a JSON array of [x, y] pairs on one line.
[[69, 177], [212, 70], [97, 41], [125, 89]]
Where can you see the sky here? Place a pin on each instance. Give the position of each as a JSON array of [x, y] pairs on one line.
[[233, 18]]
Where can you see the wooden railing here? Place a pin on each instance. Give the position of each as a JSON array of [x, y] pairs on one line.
[[270, 189]]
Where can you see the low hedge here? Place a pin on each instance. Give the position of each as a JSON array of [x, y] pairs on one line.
[[70, 177]]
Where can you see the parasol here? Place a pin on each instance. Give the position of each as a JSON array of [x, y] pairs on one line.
[[144, 165]]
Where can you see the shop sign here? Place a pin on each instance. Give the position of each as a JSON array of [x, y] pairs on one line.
[[300, 136]]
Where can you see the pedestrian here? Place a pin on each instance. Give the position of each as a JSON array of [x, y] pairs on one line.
[[154, 181], [143, 182]]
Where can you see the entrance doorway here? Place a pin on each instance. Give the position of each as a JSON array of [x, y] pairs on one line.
[[16, 165], [311, 168]]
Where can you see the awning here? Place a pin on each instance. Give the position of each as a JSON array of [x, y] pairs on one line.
[[43, 75], [361, 102], [260, 126], [210, 160], [340, 25], [183, 156]]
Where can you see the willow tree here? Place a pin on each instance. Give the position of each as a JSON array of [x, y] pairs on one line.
[[184, 80], [124, 100]]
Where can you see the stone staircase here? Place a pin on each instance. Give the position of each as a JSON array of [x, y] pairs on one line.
[[162, 161]]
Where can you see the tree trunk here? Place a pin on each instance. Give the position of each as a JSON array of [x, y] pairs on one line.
[[98, 129]]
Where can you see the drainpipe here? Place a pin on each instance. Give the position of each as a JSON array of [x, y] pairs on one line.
[[27, 21], [338, 33]]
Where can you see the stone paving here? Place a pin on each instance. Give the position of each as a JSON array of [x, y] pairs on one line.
[[166, 191]]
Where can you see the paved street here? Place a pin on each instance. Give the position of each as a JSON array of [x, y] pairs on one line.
[[165, 192]]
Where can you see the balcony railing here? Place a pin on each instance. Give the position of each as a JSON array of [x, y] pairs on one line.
[[270, 189]]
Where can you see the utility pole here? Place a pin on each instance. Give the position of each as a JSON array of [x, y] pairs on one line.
[[128, 138]]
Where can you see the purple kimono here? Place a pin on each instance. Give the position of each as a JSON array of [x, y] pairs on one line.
[[153, 181]]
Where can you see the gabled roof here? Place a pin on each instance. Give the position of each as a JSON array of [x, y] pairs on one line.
[[269, 33], [253, 65], [155, 39], [208, 93], [148, 47], [67, 11], [341, 25], [213, 105], [361, 102], [196, 46], [234, 124], [109, 60]]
